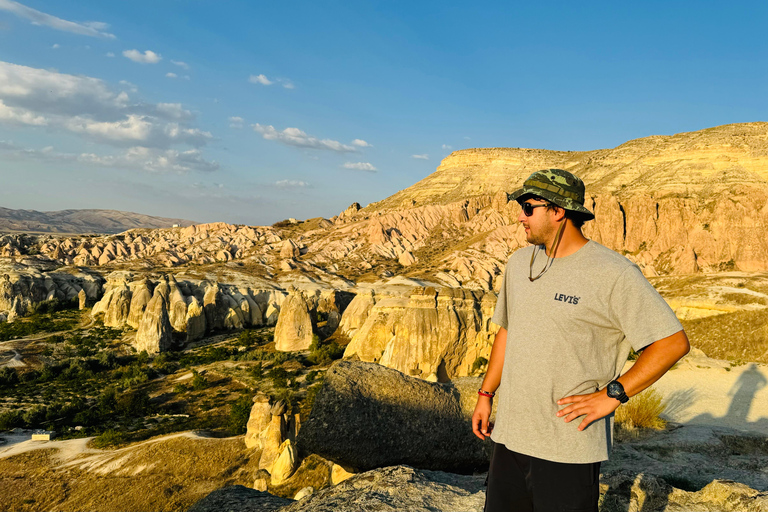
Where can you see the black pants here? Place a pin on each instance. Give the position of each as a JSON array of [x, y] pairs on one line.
[[521, 483]]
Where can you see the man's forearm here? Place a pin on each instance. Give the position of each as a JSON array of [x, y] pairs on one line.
[[654, 361], [496, 362]]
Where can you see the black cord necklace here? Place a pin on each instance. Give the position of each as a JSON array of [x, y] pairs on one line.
[[550, 258]]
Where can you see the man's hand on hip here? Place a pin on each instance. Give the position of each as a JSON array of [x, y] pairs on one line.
[[594, 405]]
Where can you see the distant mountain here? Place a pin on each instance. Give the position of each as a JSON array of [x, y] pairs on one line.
[[81, 221]]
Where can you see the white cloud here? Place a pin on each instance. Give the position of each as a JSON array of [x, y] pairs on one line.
[[131, 87], [236, 122], [291, 184], [173, 111], [421, 157], [447, 147], [87, 106], [171, 75], [263, 80], [298, 138], [110, 54], [88, 28], [360, 143], [360, 166], [148, 57], [20, 116], [181, 64], [260, 79], [56, 46], [135, 158], [153, 160]]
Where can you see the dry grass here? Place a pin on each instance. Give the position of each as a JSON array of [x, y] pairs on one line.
[[642, 411]]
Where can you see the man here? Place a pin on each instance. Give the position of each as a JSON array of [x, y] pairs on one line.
[[569, 311]]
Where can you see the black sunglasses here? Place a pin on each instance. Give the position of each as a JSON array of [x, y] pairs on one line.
[[528, 208]]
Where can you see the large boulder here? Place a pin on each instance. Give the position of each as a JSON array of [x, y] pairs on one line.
[[293, 331], [367, 416], [154, 334]]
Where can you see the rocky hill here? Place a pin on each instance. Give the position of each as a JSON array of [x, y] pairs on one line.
[[81, 221], [688, 203]]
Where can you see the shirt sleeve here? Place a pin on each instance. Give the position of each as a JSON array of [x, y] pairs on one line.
[[639, 311], [500, 314]]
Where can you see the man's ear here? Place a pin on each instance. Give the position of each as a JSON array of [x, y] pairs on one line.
[[559, 213]]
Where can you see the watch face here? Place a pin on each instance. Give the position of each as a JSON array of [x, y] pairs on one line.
[[615, 389]]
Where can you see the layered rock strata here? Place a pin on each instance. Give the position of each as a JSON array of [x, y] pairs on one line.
[[434, 334]]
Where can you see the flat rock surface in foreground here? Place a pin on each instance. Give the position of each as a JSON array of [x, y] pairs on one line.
[[398, 488]]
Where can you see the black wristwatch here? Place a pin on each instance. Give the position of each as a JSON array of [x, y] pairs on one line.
[[616, 390]]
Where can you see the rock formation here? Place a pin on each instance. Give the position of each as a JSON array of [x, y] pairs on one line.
[[367, 416], [294, 325], [6, 293], [258, 420], [271, 438], [154, 333], [432, 334], [285, 463], [195, 320], [142, 294]]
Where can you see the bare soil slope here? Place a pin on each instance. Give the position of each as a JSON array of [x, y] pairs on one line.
[[81, 221]]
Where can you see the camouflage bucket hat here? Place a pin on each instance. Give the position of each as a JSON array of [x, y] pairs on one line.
[[558, 187]]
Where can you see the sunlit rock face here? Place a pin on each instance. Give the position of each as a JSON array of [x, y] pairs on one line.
[[154, 333], [293, 331], [431, 334]]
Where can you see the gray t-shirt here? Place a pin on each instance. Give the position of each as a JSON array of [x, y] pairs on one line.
[[569, 333]]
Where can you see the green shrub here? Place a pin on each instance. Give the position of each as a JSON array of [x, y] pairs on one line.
[[479, 364], [11, 419], [198, 381], [279, 377], [108, 439], [324, 352], [8, 377], [239, 412], [134, 404], [257, 371]]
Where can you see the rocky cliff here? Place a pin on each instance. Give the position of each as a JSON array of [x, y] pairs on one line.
[[691, 202]]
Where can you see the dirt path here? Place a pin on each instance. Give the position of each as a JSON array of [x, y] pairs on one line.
[[70, 451], [21, 343]]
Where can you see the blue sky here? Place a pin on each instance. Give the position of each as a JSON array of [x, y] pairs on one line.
[[252, 112]]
